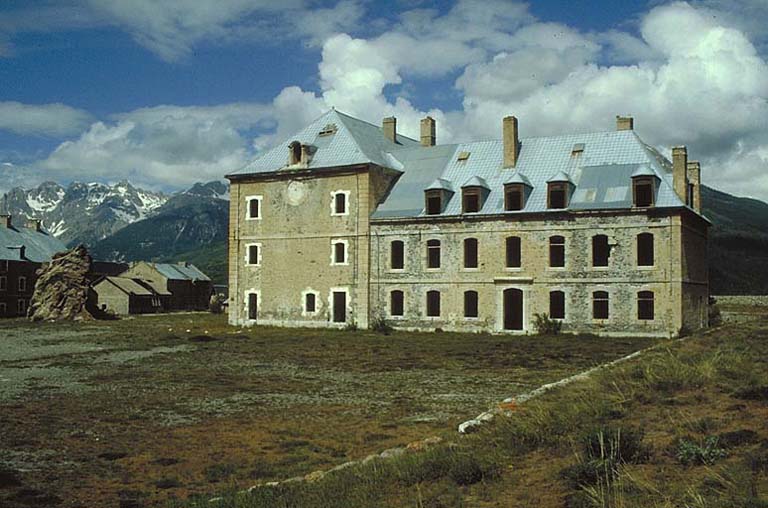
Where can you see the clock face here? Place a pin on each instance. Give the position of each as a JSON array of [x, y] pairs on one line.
[[296, 193]]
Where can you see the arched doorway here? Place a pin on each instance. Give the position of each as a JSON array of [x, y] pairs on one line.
[[513, 309]]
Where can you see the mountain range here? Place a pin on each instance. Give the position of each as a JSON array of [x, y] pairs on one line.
[[125, 223]]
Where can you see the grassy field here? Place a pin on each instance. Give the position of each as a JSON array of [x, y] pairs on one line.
[[684, 425], [141, 411]]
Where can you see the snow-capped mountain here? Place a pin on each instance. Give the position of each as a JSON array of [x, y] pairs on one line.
[[89, 212]]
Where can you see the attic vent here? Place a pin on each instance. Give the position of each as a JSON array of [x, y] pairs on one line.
[[463, 156], [577, 149], [328, 130]]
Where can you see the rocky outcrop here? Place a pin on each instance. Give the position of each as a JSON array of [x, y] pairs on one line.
[[61, 291]]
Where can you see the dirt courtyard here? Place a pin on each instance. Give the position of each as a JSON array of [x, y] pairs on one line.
[[133, 412]]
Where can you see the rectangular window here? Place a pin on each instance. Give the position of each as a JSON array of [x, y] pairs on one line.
[[3, 283], [254, 254], [601, 251], [557, 195], [310, 302], [645, 249], [433, 254], [21, 307], [340, 203], [3, 309], [22, 284], [396, 303], [434, 203], [471, 201], [513, 198], [433, 303], [470, 253], [557, 305], [556, 252], [3, 265], [642, 190], [600, 305], [397, 255], [253, 306], [645, 305], [339, 253], [253, 211], [470, 304], [514, 254]]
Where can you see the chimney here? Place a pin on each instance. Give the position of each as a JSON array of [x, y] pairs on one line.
[[679, 171], [34, 224], [5, 220], [428, 131], [389, 126], [625, 123], [694, 184], [511, 141]]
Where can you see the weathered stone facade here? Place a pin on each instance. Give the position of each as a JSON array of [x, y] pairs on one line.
[[288, 252]]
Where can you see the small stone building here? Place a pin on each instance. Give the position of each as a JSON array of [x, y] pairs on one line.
[[190, 288], [123, 296], [350, 222], [22, 252]]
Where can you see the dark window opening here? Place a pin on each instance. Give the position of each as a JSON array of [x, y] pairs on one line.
[[645, 249], [601, 251], [643, 192], [434, 203], [513, 198], [22, 284], [339, 307], [339, 253], [470, 304], [253, 254], [3, 283], [471, 201], [556, 251], [294, 152], [433, 303], [557, 305], [310, 301], [645, 305], [253, 208], [470, 253], [22, 306], [557, 197], [600, 305], [340, 203], [397, 255], [514, 254], [253, 306], [433, 254], [396, 303]]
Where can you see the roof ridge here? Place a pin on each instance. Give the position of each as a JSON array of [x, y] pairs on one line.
[[377, 127]]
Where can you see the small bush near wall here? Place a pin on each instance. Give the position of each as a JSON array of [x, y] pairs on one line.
[[544, 325]]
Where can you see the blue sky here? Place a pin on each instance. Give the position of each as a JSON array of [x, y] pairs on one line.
[[169, 93]]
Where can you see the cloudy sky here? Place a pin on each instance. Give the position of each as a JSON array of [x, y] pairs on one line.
[[166, 93]]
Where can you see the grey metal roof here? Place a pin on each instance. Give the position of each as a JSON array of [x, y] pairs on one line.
[[353, 142], [127, 285], [560, 176], [475, 181], [180, 272], [440, 184], [518, 177], [39, 246], [643, 170]]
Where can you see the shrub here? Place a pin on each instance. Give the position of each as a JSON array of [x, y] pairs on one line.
[[616, 443], [694, 453], [467, 470], [545, 325], [715, 318], [218, 472], [379, 325]]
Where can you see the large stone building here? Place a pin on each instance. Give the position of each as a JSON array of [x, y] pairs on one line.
[[23, 250], [351, 223]]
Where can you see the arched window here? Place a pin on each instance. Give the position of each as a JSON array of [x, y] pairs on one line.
[[470, 304], [556, 305], [513, 252], [397, 255], [396, 303], [470, 253], [340, 203], [433, 253], [556, 251], [645, 249], [645, 305], [601, 251], [600, 305], [433, 303]]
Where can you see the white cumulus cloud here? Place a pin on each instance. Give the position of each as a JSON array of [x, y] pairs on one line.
[[42, 119]]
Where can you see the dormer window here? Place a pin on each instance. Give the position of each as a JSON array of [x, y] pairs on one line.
[[514, 197], [557, 195], [473, 195], [643, 191], [294, 153], [434, 202]]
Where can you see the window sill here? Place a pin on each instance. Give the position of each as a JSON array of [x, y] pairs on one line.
[[251, 265], [473, 318], [433, 270], [252, 218], [396, 318], [601, 321], [396, 270], [646, 267], [599, 268], [465, 269], [556, 268], [340, 214], [339, 264]]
